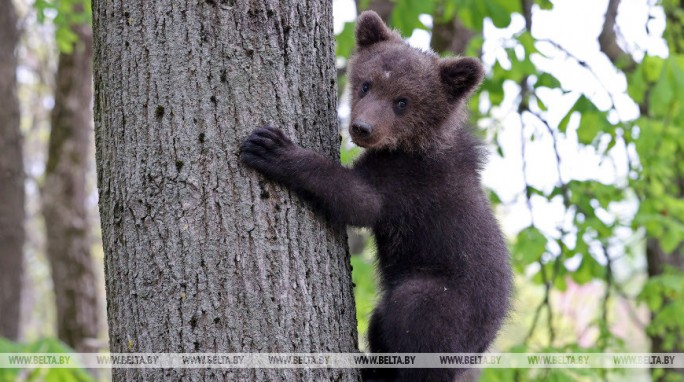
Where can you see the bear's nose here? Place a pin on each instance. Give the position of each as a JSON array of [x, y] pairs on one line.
[[361, 128]]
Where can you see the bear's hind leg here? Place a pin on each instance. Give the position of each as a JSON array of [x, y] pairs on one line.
[[377, 344], [427, 315]]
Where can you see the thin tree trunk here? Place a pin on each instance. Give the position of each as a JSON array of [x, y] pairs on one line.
[[11, 178], [201, 254], [450, 36], [64, 195]]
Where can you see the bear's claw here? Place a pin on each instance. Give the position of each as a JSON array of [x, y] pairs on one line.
[[265, 148]]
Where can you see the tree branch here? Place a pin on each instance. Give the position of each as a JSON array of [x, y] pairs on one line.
[[608, 40]]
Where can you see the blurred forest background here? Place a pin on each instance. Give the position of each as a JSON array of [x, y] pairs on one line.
[[583, 114]]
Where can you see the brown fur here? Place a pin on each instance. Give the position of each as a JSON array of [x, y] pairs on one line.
[[444, 270], [397, 71]]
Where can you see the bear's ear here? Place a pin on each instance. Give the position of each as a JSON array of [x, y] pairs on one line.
[[460, 76], [370, 29]]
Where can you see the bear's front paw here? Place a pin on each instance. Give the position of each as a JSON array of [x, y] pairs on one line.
[[266, 150]]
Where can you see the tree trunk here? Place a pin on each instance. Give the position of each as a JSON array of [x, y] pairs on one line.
[[657, 261], [201, 254], [450, 36], [64, 194], [11, 178]]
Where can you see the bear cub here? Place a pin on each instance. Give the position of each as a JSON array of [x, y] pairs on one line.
[[443, 264]]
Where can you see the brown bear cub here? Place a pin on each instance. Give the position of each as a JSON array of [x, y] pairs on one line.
[[443, 262]]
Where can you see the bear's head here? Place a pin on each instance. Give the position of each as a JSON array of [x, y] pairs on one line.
[[402, 97]]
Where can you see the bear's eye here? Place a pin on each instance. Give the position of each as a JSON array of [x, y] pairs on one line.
[[365, 88], [400, 105]]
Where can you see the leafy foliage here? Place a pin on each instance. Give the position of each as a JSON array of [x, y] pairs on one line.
[[45, 345], [64, 14], [364, 289], [664, 295]]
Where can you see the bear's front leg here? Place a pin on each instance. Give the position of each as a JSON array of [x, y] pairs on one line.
[[341, 194], [269, 151]]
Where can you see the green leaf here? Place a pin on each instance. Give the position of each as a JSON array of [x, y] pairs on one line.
[[344, 42], [509, 6], [474, 46], [66, 39], [583, 104], [548, 81], [662, 94], [590, 126], [534, 191], [588, 270], [563, 124], [530, 245], [636, 84], [560, 283], [652, 67], [69, 13], [545, 4], [540, 104], [406, 12], [660, 99], [677, 69], [651, 295], [527, 41], [592, 122], [494, 197], [499, 14], [499, 151], [493, 84], [671, 238], [519, 68]]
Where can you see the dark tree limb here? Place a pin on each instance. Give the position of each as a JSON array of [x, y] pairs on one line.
[[608, 40], [450, 36]]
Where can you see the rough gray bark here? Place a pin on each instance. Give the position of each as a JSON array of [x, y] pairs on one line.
[[202, 254], [11, 178], [64, 198]]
